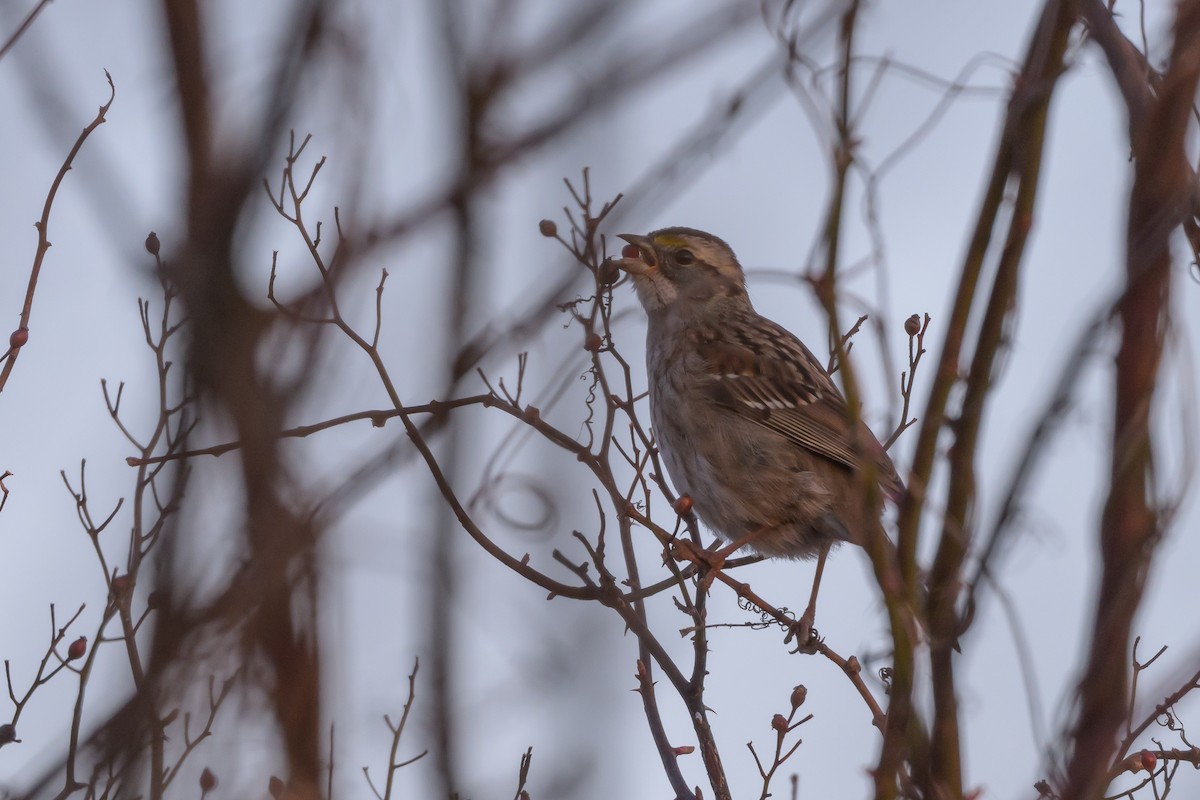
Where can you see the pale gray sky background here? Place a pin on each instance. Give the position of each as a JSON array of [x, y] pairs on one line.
[[763, 190]]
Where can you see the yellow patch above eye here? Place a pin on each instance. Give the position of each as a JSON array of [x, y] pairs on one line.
[[667, 240]]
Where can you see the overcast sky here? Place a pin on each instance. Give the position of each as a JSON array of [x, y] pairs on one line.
[[763, 190]]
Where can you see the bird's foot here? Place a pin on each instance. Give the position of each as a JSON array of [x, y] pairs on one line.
[[804, 633], [708, 561]]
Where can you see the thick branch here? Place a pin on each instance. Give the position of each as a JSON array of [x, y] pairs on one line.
[[1130, 526]]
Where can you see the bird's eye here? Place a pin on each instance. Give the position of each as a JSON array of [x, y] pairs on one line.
[[684, 257]]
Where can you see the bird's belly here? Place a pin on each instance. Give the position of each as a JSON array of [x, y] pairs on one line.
[[743, 479]]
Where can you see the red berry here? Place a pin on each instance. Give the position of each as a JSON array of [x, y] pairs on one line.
[[683, 505], [592, 342], [18, 338], [77, 648], [631, 251], [208, 781], [1149, 760]]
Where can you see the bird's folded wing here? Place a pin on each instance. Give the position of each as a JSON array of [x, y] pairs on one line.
[[765, 374]]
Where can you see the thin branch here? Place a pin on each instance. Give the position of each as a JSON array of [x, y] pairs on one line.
[[43, 226], [24, 26]]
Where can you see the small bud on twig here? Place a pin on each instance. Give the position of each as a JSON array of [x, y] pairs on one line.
[[912, 325], [18, 338], [608, 273], [799, 694], [208, 781], [779, 723], [77, 648], [548, 228], [8, 733], [152, 245]]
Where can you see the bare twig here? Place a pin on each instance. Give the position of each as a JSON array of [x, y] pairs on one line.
[[397, 730], [24, 26], [43, 224]]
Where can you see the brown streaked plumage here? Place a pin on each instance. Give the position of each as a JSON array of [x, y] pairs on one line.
[[747, 420]]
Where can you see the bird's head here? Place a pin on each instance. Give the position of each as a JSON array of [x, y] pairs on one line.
[[681, 265]]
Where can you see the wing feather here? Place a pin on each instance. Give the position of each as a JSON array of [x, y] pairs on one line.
[[760, 370]]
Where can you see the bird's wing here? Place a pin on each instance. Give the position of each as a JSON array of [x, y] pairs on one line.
[[761, 371]]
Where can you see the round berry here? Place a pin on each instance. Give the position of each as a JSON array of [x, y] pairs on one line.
[[608, 274], [77, 648]]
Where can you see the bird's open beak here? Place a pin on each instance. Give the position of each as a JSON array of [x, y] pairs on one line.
[[637, 257]]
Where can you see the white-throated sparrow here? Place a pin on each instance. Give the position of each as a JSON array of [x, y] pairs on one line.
[[748, 422]]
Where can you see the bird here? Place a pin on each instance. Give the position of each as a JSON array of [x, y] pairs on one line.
[[747, 421]]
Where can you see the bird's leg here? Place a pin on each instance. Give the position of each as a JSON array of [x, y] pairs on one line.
[[802, 629]]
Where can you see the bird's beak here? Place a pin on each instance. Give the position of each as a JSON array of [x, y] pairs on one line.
[[637, 257]]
